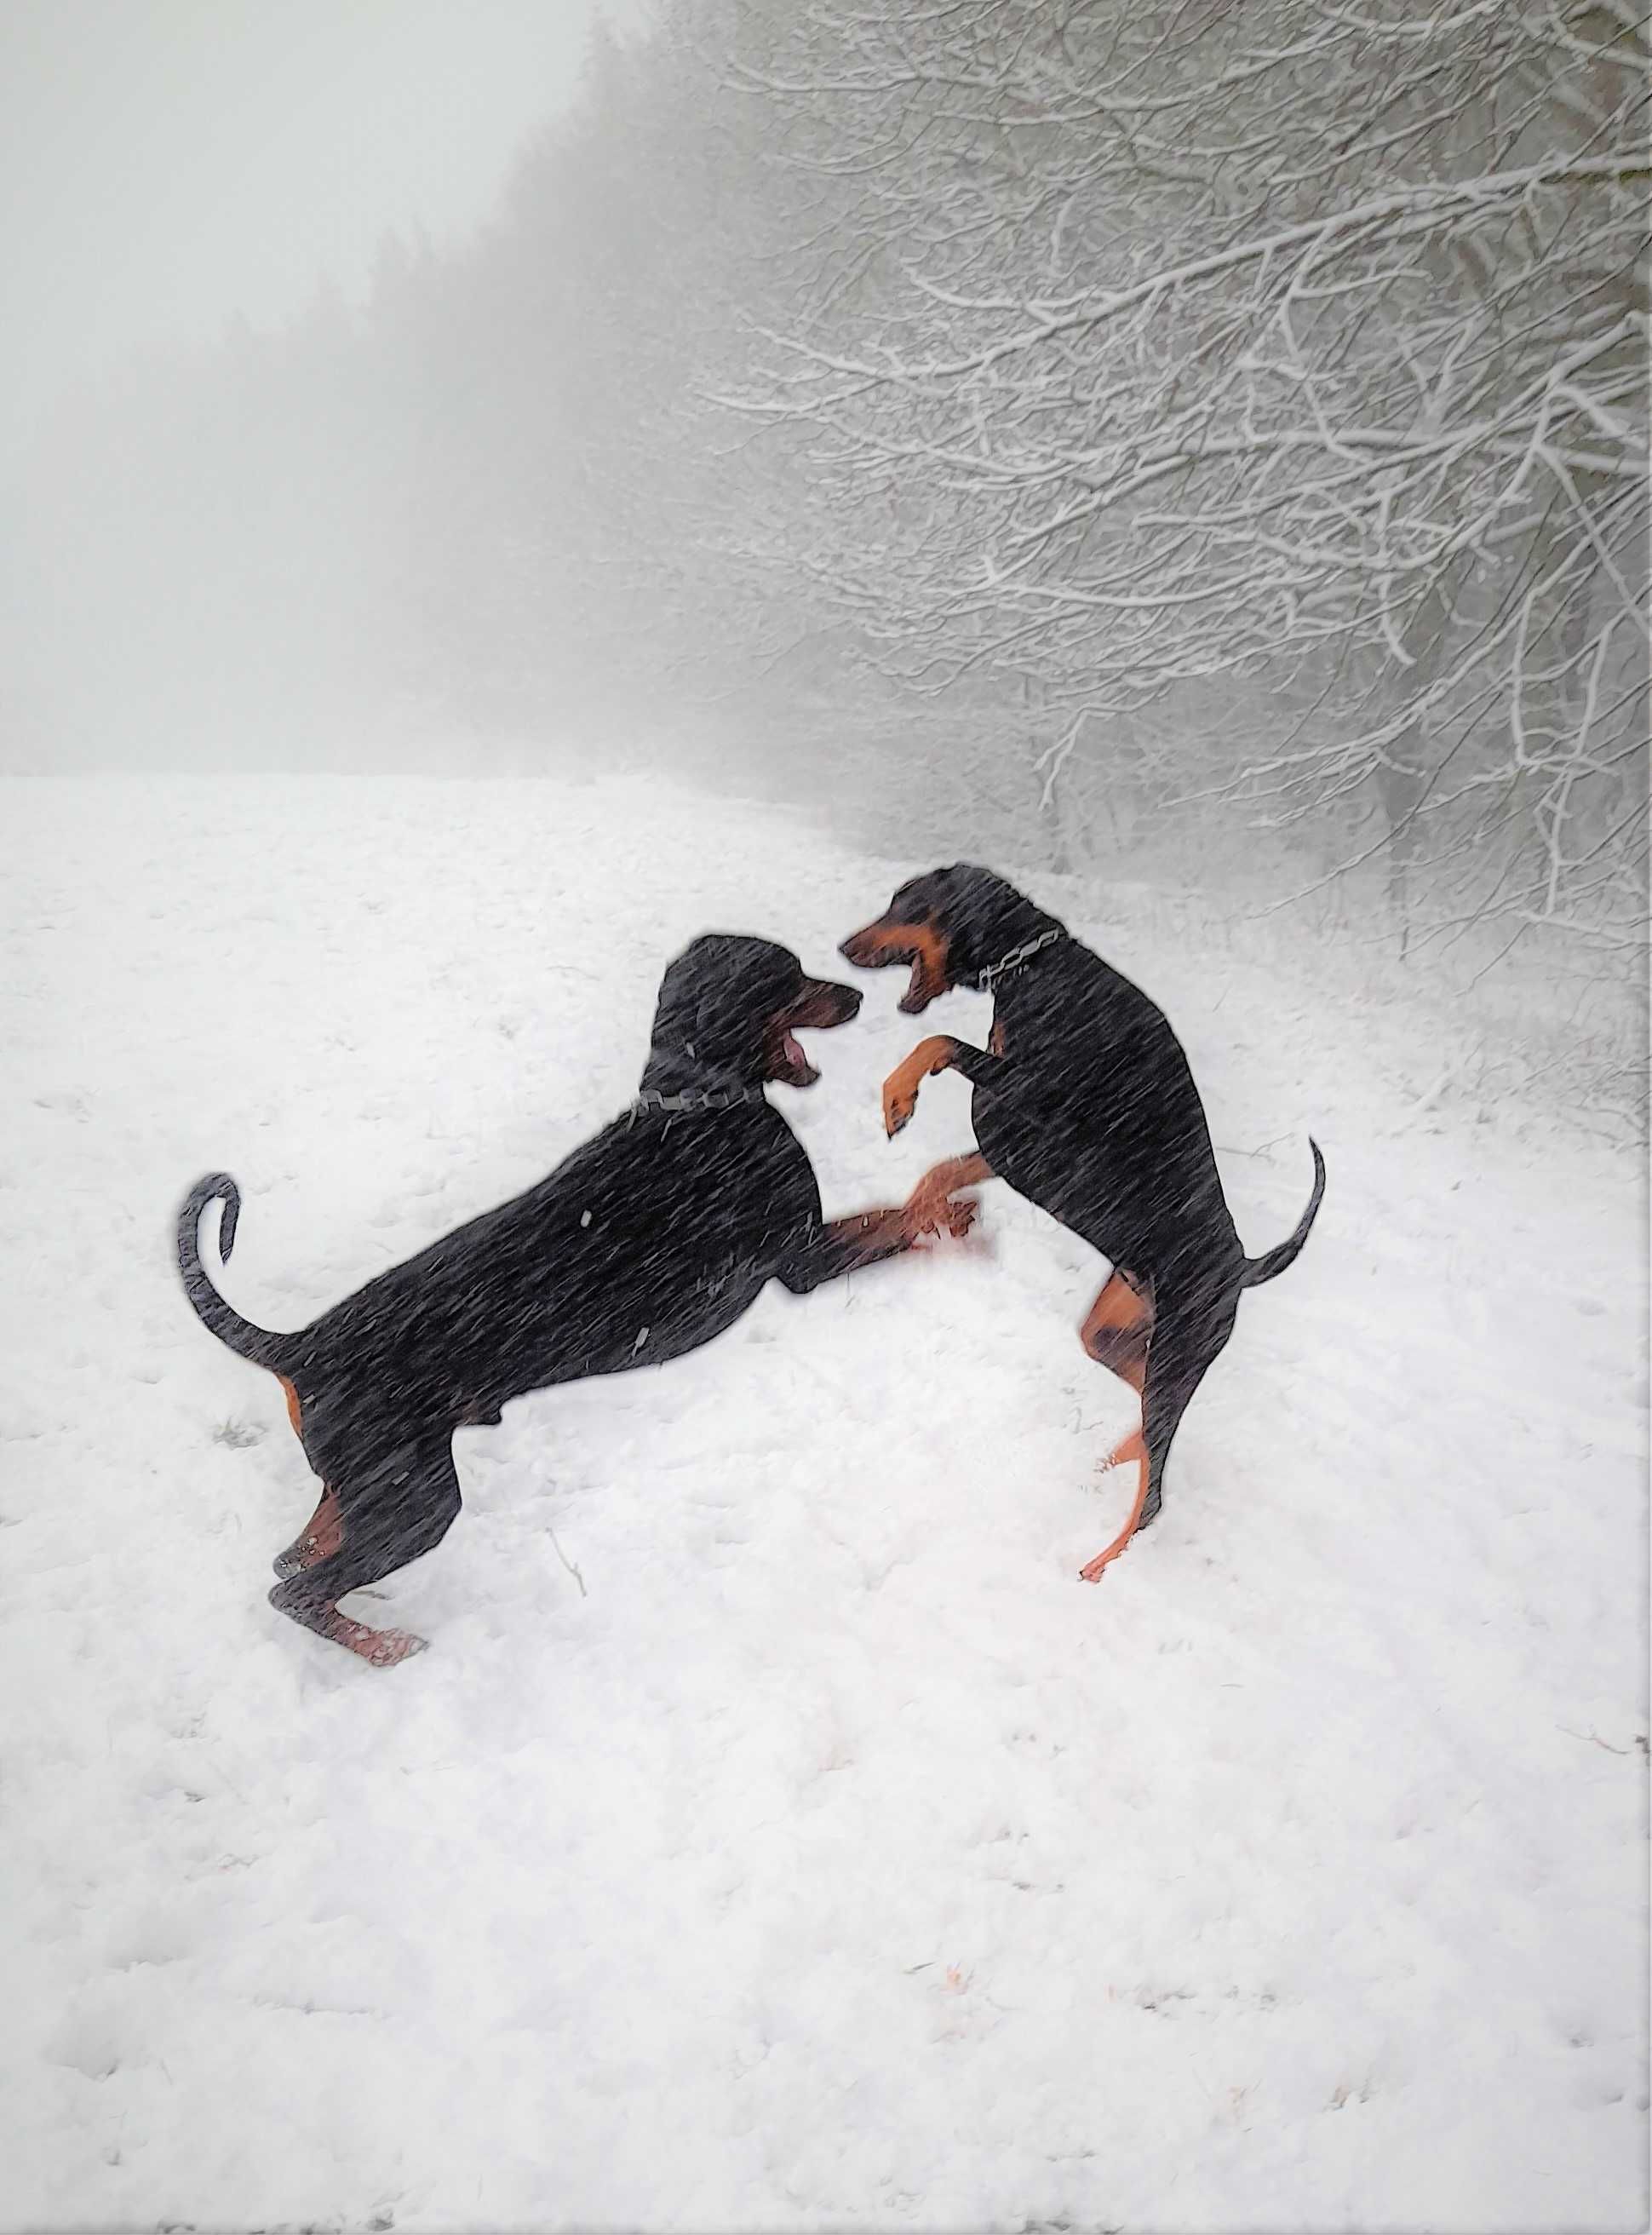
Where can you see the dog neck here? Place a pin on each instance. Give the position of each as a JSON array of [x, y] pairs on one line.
[[675, 1071]]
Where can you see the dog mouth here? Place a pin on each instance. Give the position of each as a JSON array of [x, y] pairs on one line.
[[919, 991], [879, 945], [820, 1007]]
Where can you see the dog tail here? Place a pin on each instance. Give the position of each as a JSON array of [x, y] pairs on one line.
[[1272, 1262], [243, 1338]]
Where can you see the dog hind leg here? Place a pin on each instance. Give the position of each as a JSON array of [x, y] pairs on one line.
[[321, 1536], [1118, 1333], [1186, 1346], [406, 1510]]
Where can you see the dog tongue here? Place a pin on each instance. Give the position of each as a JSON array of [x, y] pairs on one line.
[[803, 1072]]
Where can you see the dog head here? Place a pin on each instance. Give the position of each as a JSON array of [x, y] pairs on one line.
[[729, 1006], [951, 925]]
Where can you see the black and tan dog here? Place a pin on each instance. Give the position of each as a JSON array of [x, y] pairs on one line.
[[1085, 1104], [646, 1242]]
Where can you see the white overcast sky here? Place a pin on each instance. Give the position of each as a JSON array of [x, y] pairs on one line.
[[163, 163]]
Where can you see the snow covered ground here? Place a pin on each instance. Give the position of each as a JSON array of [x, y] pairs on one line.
[[833, 1856]]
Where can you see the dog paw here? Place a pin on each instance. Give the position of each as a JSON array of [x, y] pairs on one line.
[[899, 1101], [391, 1646], [930, 1211], [959, 1211]]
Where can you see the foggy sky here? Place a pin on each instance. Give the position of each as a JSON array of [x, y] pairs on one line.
[[165, 163]]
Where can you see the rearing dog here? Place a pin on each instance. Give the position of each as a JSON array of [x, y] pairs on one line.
[[646, 1242], [1085, 1104]]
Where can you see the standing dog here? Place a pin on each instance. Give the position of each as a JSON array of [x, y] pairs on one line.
[[1085, 1104], [646, 1242]]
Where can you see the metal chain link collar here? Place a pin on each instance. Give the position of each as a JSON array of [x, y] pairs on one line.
[[985, 979], [693, 1098]]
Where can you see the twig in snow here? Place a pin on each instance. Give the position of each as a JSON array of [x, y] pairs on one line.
[[565, 1560], [1593, 1737]]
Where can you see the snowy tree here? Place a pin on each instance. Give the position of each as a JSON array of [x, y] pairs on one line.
[[1291, 358]]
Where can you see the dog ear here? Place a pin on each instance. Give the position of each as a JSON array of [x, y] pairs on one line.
[[719, 994], [969, 900], [987, 913], [739, 995], [677, 1010]]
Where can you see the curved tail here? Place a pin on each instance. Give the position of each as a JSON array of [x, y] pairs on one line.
[[243, 1338], [1272, 1262]]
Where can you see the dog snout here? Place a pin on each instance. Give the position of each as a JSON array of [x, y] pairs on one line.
[[823, 1003]]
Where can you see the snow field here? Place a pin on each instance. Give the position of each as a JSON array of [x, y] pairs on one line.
[[833, 1856]]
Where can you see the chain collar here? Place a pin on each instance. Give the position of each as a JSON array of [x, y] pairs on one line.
[[1017, 959], [693, 1098]]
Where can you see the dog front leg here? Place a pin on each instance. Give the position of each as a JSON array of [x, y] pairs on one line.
[[939, 1052], [871, 1236], [845, 1246]]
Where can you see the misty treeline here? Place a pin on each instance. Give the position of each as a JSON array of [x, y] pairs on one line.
[[1092, 426]]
